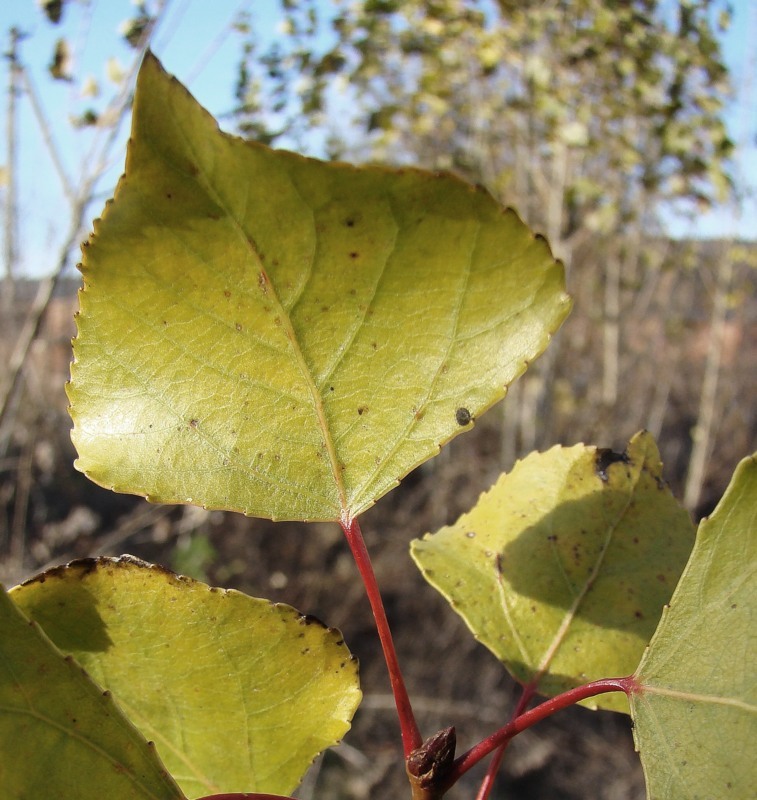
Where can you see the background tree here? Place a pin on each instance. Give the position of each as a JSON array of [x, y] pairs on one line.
[[591, 118], [570, 112]]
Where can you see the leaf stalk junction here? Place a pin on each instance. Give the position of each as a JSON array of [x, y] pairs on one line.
[[431, 765]]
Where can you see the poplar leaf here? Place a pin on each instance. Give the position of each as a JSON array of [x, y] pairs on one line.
[[271, 334], [695, 714], [239, 694], [61, 736], [562, 568]]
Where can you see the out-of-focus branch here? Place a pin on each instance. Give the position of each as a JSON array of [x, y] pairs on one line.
[[32, 324], [47, 137], [10, 221], [215, 45], [702, 434], [703, 430], [117, 110]]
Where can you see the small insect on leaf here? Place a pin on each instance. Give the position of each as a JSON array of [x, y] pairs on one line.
[[463, 416]]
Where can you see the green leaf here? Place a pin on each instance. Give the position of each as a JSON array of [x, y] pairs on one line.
[[285, 337], [563, 567], [695, 714], [239, 694], [61, 736]]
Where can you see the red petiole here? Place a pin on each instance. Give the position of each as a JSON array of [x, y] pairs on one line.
[[528, 718], [411, 736], [245, 796], [491, 773]]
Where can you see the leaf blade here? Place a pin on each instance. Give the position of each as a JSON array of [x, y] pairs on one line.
[[562, 569], [60, 736], [272, 334], [239, 694], [697, 702]]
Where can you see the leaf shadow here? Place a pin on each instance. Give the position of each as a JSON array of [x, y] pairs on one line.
[[67, 612], [611, 557]]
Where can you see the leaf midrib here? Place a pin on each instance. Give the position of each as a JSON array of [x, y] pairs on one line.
[[118, 763], [696, 697], [570, 615], [250, 244]]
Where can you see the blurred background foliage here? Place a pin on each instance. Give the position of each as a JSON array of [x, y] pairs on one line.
[[595, 120], [592, 119]]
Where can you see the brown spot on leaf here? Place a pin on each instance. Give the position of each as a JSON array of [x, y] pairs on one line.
[[463, 417], [309, 619]]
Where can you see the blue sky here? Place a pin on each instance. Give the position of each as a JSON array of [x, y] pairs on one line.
[[196, 44]]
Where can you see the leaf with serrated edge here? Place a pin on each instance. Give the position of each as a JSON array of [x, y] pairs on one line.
[[61, 736], [695, 716], [239, 694], [285, 337], [563, 567]]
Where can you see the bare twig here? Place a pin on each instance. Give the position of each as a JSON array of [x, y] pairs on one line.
[[216, 44], [21, 507], [11, 220], [703, 430], [702, 433], [12, 382], [117, 110], [46, 131], [129, 527]]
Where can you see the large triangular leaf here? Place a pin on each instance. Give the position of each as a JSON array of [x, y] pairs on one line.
[[563, 567], [695, 714], [286, 337], [61, 736], [239, 694]]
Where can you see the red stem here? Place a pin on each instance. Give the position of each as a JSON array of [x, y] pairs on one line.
[[245, 796], [529, 718], [491, 773], [411, 736]]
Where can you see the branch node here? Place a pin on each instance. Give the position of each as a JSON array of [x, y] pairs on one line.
[[429, 765]]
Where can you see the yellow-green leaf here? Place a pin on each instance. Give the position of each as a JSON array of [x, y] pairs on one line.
[[563, 567], [285, 337], [61, 736], [238, 694], [695, 715]]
